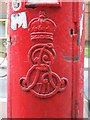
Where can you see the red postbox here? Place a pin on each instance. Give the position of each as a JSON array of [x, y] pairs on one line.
[[45, 59]]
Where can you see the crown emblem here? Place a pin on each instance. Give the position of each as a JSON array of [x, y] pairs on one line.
[[41, 27]]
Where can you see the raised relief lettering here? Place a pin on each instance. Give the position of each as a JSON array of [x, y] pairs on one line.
[[40, 79]]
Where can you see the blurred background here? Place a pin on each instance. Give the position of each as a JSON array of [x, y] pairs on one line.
[[3, 59]]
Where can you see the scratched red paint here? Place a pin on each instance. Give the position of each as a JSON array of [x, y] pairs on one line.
[[45, 59]]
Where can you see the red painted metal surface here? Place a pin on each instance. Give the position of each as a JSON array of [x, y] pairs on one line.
[[45, 60]]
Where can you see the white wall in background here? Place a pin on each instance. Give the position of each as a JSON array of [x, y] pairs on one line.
[[3, 108]]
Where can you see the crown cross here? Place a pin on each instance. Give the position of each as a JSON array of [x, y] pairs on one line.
[[42, 27]]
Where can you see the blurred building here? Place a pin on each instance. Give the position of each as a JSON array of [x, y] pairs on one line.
[[3, 16], [3, 20], [87, 22], [3, 10], [3, 39]]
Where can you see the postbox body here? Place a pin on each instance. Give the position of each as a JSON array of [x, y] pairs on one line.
[[45, 59]]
